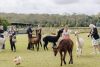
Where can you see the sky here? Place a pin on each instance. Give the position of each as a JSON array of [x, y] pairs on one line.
[[89, 7]]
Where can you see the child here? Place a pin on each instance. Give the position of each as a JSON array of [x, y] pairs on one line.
[[65, 34]]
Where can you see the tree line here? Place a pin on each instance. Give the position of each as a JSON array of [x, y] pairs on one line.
[[53, 20]]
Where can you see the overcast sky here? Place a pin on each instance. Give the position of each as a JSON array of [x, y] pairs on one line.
[[50, 6]]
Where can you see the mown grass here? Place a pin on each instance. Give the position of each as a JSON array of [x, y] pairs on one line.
[[46, 58]]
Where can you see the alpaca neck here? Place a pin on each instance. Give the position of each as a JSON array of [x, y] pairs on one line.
[[77, 39], [57, 37], [39, 36]]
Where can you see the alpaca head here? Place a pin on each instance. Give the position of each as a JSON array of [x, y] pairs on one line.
[[60, 32], [76, 32], [17, 60]]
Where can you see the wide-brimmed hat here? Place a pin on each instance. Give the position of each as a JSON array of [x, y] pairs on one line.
[[92, 26]]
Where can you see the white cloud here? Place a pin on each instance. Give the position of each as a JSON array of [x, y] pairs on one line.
[[97, 1], [65, 1], [50, 6]]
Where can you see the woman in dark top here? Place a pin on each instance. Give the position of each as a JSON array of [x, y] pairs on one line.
[[12, 38], [95, 38]]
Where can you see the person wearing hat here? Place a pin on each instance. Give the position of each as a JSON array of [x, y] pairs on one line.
[[95, 38]]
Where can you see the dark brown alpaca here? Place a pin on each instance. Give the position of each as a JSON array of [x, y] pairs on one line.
[[64, 46], [35, 40], [39, 31]]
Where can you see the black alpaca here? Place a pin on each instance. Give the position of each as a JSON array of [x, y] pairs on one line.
[[52, 39]]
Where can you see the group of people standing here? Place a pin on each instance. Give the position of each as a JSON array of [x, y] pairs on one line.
[[12, 37]]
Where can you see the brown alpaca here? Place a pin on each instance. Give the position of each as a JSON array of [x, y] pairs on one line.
[[36, 40], [64, 46]]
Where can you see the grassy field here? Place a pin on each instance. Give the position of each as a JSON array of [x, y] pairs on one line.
[[46, 58]]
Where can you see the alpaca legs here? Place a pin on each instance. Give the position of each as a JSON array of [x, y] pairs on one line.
[[45, 45], [40, 43], [79, 51], [64, 57], [94, 47], [54, 44], [61, 57], [71, 58], [38, 47], [33, 47], [29, 45], [99, 48]]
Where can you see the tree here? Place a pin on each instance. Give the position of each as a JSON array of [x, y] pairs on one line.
[[4, 23]]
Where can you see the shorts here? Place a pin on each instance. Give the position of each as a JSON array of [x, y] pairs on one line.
[[95, 42]]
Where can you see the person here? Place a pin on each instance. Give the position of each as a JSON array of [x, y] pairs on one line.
[[29, 32], [12, 38], [2, 36], [95, 38], [65, 34]]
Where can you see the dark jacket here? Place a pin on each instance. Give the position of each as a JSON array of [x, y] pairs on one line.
[[13, 36], [29, 32], [95, 34]]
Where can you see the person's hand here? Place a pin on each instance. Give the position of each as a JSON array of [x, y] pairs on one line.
[[88, 35]]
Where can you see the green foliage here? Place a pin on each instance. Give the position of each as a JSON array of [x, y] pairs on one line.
[[53, 20], [4, 23]]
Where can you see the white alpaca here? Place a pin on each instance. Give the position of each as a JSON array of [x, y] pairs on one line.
[[17, 60], [79, 44]]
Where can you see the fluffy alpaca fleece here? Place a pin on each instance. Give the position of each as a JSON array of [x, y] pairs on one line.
[[17, 60], [79, 44]]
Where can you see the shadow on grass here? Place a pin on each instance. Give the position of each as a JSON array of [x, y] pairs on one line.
[[87, 56]]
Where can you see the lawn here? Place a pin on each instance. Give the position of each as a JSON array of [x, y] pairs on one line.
[[46, 58]]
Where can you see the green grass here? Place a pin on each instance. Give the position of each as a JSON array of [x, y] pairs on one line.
[[46, 58]]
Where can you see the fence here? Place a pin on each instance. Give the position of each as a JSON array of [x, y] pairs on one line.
[[55, 29]]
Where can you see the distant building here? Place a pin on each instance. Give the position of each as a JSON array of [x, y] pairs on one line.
[[98, 24]]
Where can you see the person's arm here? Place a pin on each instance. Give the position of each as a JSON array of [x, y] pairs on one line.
[[90, 33]]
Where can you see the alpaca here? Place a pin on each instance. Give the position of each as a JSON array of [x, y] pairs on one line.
[[79, 44], [64, 46], [52, 39], [39, 31], [36, 40], [17, 60]]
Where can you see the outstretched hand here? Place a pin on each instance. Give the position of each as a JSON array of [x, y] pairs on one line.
[[88, 35]]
